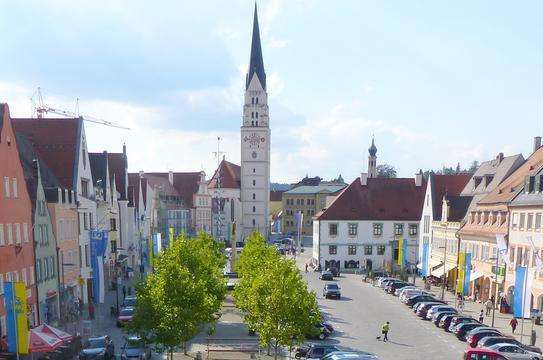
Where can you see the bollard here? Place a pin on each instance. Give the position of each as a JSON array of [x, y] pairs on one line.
[[533, 338]]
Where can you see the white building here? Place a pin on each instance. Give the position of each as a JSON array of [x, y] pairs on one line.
[[255, 144], [362, 226]]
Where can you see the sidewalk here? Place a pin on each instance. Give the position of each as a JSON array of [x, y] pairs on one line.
[[501, 321]]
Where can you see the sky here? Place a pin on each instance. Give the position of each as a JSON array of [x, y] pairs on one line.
[[436, 82]]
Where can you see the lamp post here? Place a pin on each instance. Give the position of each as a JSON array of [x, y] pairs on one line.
[[496, 284]]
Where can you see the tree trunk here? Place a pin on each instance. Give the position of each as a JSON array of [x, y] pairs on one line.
[[275, 346], [184, 348], [171, 353]]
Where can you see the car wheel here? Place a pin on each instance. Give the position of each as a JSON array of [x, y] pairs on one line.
[[321, 336]]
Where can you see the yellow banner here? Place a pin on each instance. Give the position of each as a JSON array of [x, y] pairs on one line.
[[170, 236], [21, 318], [461, 273], [400, 251]]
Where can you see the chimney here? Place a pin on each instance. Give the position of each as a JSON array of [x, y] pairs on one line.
[[364, 179], [537, 143], [60, 195], [170, 177], [141, 174], [418, 178], [124, 149], [499, 158]]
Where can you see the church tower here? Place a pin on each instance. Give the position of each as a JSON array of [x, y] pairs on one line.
[[255, 144], [372, 160]]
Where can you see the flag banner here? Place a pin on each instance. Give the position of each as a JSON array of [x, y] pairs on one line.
[[299, 217], [16, 320], [461, 273], [467, 272], [425, 259], [98, 244], [157, 243], [405, 253], [170, 236], [399, 261], [520, 278], [527, 297]]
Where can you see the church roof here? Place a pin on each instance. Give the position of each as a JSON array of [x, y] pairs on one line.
[[256, 63], [230, 175]]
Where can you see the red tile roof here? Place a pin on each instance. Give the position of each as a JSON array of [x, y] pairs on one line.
[[117, 165], [230, 174], [451, 185], [185, 184], [276, 195], [380, 199], [134, 189], [56, 142]]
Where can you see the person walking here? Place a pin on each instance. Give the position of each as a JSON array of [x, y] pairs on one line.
[[488, 305], [513, 323], [384, 330], [305, 267], [481, 316], [91, 310], [124, 292]]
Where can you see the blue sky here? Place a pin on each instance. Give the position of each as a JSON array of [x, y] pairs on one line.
[[436, 82]]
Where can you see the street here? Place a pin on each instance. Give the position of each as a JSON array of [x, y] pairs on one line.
[[357, 319]]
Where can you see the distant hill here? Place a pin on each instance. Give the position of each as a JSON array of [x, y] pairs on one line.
[[280, 187]]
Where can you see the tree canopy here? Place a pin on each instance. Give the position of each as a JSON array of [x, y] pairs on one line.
[[386, 171]]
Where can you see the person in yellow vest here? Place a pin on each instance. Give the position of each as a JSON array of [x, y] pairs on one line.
[[384, 331]]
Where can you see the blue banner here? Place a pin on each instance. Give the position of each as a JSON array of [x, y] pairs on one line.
[[520, 276], [98, 244], [9, 296], [467, 273], [405, 253], [425, 270]]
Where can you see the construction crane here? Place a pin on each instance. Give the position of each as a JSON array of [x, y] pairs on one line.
[[41, 109]]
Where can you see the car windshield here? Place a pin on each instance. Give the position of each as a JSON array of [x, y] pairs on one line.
[[127, 312], [97, 343], [333, 287], [134, 344], [129, 302]]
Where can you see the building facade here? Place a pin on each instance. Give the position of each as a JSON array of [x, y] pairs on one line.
[[16, 249], [255, 144]]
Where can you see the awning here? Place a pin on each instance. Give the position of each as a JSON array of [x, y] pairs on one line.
[[54, 332], [438, 271], [42, 342], [419, 266], [475, 275]]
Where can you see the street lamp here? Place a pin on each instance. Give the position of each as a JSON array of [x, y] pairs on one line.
[[496, 282]]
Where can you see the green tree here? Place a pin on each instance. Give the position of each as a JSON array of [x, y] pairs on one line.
[[386, 171], [184, 292]]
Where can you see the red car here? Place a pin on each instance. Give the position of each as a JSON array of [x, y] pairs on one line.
[[125, 316], [482, 354], [475, 335]]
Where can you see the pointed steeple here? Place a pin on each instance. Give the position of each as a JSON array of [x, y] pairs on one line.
[[256, 63], [373, 149]]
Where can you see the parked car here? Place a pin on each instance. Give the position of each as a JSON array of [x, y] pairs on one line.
[[335, 271], [404, 296], [125, 316], [439, 308], [331, 290], [382, 279], [100, 348], [473, 337], [326, 275], [314, 351], [395, 286], [350, 355], [462, 329], [422, 310], [319, 332], [491, 340], [384, 283], [457, 320], [436, 319], [399, 291], [445, 321], [419, 298], [129, 300], [482, 354], [328, 326], [135, 348], [515, 352]]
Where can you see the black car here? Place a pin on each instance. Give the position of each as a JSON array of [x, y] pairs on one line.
[[464, 328], [100, 348], [326, 275], [328, 326], [440, 315], [391, 288], [314, 351], [445, 321], [319, 332], [419, 298], [331, 290], [334, 270], [491, 340], [129, 300]]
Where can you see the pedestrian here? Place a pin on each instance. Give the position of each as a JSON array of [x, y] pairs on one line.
[[488, 305], [305, 267], [481, 316], [124, 291], [513, 323], [385, 329], [91, 310]]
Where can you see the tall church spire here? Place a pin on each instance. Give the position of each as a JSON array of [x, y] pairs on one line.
[[372, 160], [256, 63]]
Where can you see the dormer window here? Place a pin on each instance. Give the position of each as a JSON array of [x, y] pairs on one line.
[[476, 181], [256, 102], [252, 100], [252, 114], [256, 114]]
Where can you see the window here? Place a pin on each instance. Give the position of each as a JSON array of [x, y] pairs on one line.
[[530, 221], [413, 229], [84, 155], [353, 229], [85, 222], [380, 249], [31, 272], [1, 285], [254, 170], [113, 224], [6, 187], [53, 267], [537, 225], [9, 234], [301, 201], [368, 249], [256, 100], [91, 221], [254, 208], [377, 229], [351, 250], [252, 114], [24, 276], [426, 224], [254, 196], [17, 233], [256, 114], [254, 182], [254, 222], [14, 186], [332, 249], [522, 220], [2, 240], [85, 187], [332, 229], [398, 229], [38, 270], [252, 100], [514, 222], [86, 254], [297, 201]]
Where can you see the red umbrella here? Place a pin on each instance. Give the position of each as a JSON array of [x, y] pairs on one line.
[[42, 342], [54, 332]]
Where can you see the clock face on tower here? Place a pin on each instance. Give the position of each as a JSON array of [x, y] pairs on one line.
[[254, 140]]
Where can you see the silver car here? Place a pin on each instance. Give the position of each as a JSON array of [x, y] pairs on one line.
[[515, 352], [350, 355], [436, 309]]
